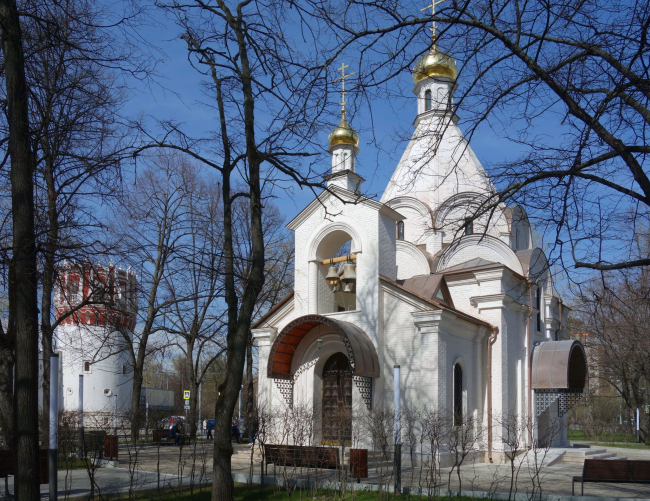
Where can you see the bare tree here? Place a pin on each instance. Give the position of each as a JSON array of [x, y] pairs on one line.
[[564, 83], [615, 312], [151, 224], [268, 103], [22, 329]]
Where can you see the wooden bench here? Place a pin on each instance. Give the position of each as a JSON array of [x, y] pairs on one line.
[[614, 471], [162, 436], [302, 456]]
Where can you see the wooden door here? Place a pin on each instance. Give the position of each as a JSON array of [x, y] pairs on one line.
[[337, 400]]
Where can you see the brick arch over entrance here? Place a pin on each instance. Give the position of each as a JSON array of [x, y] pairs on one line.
[[359, 348]]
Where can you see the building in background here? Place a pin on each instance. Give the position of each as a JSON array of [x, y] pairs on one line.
[[101, 303]]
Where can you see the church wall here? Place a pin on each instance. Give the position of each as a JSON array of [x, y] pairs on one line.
[[402, 345], [387, 247]]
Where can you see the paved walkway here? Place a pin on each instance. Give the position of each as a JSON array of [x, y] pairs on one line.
[[191, 467]]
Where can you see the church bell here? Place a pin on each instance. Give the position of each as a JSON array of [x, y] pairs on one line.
[[349, 277], [333, 278]]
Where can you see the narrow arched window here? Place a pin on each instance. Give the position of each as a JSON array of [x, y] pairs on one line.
[[400, 230], [469, 229], [427, 100], [458, 395]]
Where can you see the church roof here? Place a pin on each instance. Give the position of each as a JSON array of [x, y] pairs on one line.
[[273, 309], [348, 197], [432, 286], [471, 264], [437, 304]]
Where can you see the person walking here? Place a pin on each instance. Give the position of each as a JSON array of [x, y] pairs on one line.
[[252, 424], [234, 431], [209, 428]]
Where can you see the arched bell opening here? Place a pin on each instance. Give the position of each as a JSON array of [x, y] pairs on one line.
[[337, 290], [336, 400]]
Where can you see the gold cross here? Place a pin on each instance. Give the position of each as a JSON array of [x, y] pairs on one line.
[[434, 26], [342, 80]]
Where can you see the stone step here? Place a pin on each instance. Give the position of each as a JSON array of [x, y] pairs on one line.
[[584, 452], [572, 457]]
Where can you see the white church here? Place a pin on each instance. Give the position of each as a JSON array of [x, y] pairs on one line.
[[465, 305]]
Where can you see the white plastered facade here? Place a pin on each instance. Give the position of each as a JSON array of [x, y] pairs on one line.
[[491, 273]]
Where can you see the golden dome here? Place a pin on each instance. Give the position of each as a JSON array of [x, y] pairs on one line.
[[434, 63], [343, 133]]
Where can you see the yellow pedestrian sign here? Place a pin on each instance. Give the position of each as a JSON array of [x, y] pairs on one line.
[[186, 394]]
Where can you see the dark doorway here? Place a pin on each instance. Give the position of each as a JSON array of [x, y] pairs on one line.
[[337, 400]]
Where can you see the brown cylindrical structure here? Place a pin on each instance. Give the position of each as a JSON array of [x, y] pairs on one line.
[[359, 463]]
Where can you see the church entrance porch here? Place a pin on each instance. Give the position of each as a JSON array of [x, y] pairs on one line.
[[324, 367], [336, 401]]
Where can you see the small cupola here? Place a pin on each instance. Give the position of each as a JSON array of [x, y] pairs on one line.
[[344, 147], [434, 76]]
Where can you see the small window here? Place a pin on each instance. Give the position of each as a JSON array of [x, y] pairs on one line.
[[400, 230], [458, 395], [87, 367], [73, 289], [538, 305], [469, 229], [124, 369], [427, 100]]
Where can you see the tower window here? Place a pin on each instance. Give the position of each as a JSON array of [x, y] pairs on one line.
[[124, 369], [469, 229], [73, 289], [427, 100], [458, 395], [400, 230], [87, 367]]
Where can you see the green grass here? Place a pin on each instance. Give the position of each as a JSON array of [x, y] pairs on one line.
[[627, 441], [256, 493]]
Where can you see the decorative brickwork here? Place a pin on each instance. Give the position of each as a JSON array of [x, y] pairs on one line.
[[364, 384]]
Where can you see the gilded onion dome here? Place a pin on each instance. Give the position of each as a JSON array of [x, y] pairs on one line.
[[434, 63], [343, 133]]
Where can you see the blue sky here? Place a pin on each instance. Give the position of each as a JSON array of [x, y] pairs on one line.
[[177, 95]]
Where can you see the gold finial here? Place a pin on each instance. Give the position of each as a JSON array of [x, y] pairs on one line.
[[434, 26], [342, 80]]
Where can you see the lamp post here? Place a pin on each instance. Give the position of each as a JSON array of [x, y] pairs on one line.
[[54, 424], [80, 416], [398, 429]]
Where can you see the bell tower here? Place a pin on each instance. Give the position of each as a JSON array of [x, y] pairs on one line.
[[344, 147]]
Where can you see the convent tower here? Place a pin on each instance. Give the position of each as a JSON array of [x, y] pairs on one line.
[[102, 306]]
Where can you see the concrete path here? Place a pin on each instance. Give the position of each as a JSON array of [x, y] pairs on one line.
[[192, 466]]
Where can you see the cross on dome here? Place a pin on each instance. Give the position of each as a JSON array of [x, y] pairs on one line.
[[343, 133], [434, 26]]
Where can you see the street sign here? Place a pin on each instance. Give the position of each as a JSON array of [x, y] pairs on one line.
[[187, 405], [186, 394], [647, 409]]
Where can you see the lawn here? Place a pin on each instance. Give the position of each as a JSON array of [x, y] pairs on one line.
[[256, 493], [613, 440]]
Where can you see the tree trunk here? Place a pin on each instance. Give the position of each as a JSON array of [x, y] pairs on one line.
[[6, 389], [136, 412], [250, 390], [23, 261], [192, 415]]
